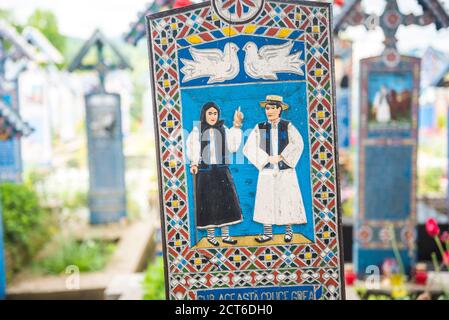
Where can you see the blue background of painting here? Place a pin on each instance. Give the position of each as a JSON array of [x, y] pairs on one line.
[[242, 77], [392, 80], [245, 175]]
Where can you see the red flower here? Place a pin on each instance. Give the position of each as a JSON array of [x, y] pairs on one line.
[[421, 278], [446, 258], [181, 3], [350, 277], [339, 2], [444, 236], [432, 227]]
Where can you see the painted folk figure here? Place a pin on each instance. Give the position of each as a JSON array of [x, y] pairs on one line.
[[208, 149], [381, 106], [274, 147]]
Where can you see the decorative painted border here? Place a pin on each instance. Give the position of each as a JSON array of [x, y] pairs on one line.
[[373, 234], [320, 262]]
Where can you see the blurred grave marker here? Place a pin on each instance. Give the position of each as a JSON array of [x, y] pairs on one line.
[[12, 127], [107, 194], [442, 81], [433, 61], [343, 78], [386, 177], [34, 95], [14, 53]]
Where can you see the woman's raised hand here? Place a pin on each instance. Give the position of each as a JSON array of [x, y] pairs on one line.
[[238, 118]]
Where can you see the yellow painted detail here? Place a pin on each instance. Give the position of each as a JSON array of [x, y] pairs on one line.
[[229, 31], [284, 33], [250, 28], [194, 39]]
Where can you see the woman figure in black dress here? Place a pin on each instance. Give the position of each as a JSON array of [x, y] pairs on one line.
[[208, 149]]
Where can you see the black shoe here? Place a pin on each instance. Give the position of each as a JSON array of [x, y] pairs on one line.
[[229, 240], [213, 242], [263, 239], [288, 238]]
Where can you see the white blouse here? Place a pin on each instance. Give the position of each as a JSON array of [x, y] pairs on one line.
[[193, 144]]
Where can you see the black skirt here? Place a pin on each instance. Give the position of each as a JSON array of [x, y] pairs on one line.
[[216, 200]]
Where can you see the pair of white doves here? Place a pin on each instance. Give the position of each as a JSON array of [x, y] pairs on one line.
[[224, 65]]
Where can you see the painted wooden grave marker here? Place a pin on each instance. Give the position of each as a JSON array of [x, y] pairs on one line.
[[386, 171], [244, 105], [107, 193]]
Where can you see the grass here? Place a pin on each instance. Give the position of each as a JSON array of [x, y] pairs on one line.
[[86, 255], [154, 282]]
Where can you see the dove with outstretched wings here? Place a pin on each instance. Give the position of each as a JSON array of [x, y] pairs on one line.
[[266, 62], [214, 64]]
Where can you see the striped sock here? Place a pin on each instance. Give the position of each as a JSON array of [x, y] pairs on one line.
[[210, 233], [268, 230], [289, 230], [225, 232]]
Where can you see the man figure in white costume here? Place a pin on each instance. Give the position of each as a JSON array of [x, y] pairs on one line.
[[274, 147]]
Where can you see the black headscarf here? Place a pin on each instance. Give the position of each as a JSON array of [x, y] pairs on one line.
[[220, 140], [204, 125]]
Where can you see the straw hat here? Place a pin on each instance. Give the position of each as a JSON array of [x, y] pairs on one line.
[[272, 99]]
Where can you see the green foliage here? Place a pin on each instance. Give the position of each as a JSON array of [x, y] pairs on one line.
[[74, 200], [154, 282], [348, 207], [26, 225], [46, 22], [429, 181], [88, 256], [441, 121]]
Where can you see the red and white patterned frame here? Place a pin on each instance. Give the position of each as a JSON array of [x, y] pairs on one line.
[[187, 269]]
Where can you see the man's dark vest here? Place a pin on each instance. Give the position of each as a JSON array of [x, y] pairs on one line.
[[221, 154], [265, 141]]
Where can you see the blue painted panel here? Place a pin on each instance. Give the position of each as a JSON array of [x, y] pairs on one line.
[[245, 174], [304, 292], [10, 155], [364, 258], [343, 117], [107, 195], [388, 176]]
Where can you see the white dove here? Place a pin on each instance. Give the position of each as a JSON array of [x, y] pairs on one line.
[[218, 65], [271, 59]]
